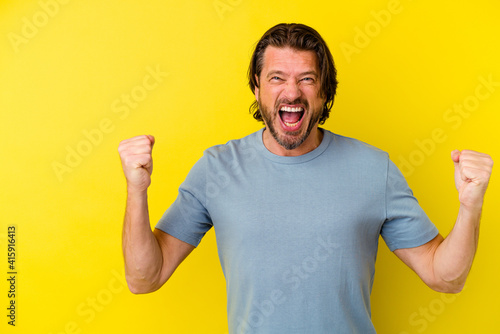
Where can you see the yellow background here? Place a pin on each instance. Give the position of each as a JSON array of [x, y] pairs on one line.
[[66, 76]]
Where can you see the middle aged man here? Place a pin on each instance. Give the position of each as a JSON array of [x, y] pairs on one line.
[[297, 210]]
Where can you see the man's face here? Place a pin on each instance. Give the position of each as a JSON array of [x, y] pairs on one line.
[[289, 95]]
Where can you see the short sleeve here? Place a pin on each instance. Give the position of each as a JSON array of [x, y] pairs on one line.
[[406, 224], [187, 219]]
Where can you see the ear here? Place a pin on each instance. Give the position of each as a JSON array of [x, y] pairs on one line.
[[257, 88]]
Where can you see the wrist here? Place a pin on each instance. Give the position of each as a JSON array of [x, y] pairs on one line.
[[470, 213], [474, 207], [135, 192]]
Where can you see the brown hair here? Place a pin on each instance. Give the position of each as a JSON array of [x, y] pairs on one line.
[[298, 37]]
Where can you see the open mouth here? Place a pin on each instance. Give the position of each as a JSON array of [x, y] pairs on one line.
[[291, 117]]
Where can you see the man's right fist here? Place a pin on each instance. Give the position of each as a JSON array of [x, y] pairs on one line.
[[137, 162]]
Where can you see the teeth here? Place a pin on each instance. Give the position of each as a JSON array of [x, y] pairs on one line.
[[291, 124], [290, 109]]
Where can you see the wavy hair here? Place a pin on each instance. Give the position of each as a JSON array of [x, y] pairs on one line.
[[298, 37]]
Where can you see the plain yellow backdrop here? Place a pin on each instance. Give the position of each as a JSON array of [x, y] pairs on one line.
[[417, 79]]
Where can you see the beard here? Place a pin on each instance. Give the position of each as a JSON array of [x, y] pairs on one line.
[[289, 140]]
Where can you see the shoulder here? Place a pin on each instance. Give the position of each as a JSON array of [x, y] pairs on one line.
[[233, 148], [355, 148]]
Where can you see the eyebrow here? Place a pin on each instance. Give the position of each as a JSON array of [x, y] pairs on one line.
[[277, 72]]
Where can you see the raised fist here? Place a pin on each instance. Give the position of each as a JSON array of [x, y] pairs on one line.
[[472, 174], [137, 161]]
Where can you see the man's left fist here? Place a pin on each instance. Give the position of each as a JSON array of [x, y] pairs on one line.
[[472, 174]]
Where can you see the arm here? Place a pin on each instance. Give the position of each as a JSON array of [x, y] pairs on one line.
[[443, 264], [150, 257]]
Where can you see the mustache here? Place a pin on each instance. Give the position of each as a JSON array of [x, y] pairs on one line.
[[296, 101]]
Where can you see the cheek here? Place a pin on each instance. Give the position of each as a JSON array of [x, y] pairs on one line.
[[268, 96], [315, 95]]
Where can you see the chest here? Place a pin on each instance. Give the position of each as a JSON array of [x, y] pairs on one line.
[[289, 207]]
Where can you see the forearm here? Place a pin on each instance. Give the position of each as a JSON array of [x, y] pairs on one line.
[[454, 256], [444, 264], [142, 253]]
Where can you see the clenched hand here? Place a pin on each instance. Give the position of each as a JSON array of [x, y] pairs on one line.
[[137, 161], [472, 174]]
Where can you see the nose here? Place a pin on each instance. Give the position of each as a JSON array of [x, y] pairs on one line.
[[292, 91]]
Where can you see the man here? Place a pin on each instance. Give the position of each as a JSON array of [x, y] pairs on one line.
[[297, 210]]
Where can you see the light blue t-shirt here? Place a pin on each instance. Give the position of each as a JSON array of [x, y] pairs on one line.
[[297, 236]]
